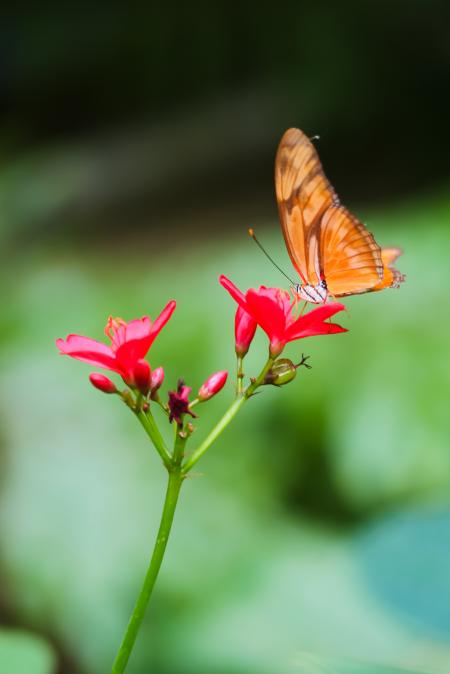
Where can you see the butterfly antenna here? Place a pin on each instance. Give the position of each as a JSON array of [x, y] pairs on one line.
[[253, 235]]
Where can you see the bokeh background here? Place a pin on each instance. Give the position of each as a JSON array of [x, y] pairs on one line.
[[137, 147]]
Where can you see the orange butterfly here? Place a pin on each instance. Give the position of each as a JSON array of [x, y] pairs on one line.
[[332, 251]]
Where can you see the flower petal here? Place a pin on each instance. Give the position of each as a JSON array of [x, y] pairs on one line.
[[138, 329], [320, 329], [312, 323], [278, 295], [162, 319], [89, 351], [235, 293], [268, 313]]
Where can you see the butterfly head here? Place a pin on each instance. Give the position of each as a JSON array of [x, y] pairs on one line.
[[315, 294]]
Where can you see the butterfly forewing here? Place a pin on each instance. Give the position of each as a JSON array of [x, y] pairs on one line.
[[324, 240], [304, 195]]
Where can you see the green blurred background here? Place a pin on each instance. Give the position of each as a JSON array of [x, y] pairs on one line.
[[137, 147]]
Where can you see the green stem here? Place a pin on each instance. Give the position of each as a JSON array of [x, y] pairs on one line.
[[216, 431], [152, 430], [260, 379], [158, 401], [177, 473], [170, 503], [179, 444], [227, 418], [240, 375]]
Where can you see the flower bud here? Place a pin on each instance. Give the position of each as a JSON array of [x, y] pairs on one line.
[[101, 382], [244, 331], [157, 379], [282, 372], [142, 376], [212, 385], [128, 399]]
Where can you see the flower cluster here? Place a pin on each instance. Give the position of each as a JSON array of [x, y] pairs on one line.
[[273, 310], [126, 355], [130, 343], [270, 308]]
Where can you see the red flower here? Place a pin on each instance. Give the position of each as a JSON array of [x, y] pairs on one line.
[[212, 385], [130, 343], [272, 309], [244, 331], [179, 403]]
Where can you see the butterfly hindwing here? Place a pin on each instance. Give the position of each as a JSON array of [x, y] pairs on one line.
[[351, 258], [392, 277]]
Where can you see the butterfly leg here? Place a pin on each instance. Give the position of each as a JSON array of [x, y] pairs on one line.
[[302, 310], [295, 304], [332, 299]]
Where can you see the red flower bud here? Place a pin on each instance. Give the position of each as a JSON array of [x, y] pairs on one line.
[[244, 331], [157, 379], [102, 383], [212, 385], [142, 376]]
